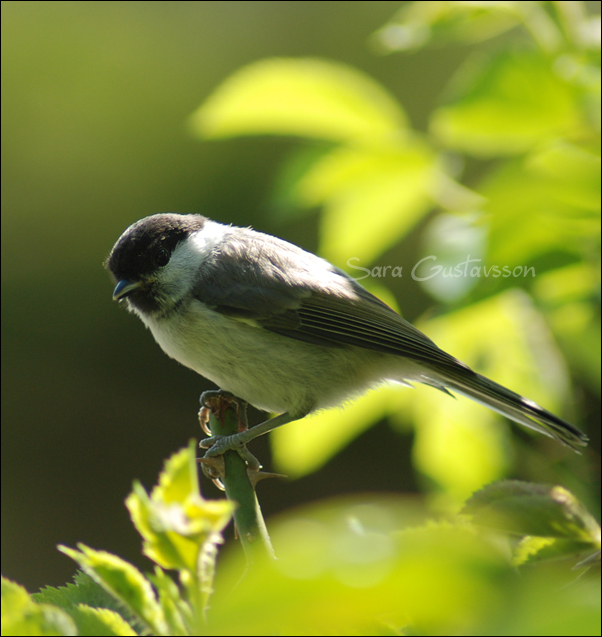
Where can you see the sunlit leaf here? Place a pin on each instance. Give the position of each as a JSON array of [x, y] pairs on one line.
[[304, 97], [576, 282], [357, 575], [179, 479], [524, 508], [371, 197], [462, 445], [571, 172], [178, 613], [451, 241], [419, 23], [567, 293], [285, 199], [577, 327], [305, 445], [99, 621], [175, 521], [21, 616], [506, 339], [85, 593], [124, 582], [546, 202], [458, 444], [359, 567], [507, 105]]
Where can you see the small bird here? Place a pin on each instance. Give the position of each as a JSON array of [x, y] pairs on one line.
[[283, 329]]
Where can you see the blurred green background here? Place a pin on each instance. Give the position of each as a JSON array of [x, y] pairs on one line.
[[97, 98]]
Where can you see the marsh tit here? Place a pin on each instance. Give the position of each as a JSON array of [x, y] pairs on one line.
[[283, 329]]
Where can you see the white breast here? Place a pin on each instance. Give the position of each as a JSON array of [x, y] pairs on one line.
[[272, 372]]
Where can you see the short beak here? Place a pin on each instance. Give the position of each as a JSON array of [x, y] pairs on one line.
[[125, 288]]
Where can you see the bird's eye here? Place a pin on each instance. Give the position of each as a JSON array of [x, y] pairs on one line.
[[162, 257]]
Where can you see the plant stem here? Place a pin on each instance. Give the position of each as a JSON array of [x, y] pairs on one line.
[[248, 518]]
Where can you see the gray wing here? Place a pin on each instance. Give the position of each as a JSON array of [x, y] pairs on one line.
[[294, 293]]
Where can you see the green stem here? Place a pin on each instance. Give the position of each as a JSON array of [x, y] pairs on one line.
[[249, 521]]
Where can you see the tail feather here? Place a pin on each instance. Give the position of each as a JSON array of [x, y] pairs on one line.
[[513, 406]]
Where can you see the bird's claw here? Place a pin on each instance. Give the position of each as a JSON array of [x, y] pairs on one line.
[[217, 401], [214, 469], [218, 445]]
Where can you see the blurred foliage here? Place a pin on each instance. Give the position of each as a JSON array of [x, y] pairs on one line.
[[372, 567], [529, 112], [95, 97]]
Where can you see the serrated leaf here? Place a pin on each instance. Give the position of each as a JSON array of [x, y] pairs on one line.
[[178, 613], [305, 97], [99, 621], [175, 521], [178, 480], [525, 508], [22, 616], [532, 549], [85, 592], [124, 581]]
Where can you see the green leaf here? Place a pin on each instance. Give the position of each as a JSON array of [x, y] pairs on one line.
[[84, 594], [175, 521], [449, 241], [533, 549], [460, 444], [349, 569], [421, 23], [524, 508], [84, 590], [305, 445], [124, 581], [570, 297], [571, 172], [390, 185], [178, 480], [548, 201], [22, 616], [178, 613], [371, 566], [304, 97], [285, 200], [164, 529], [99, 621], [507, 105]]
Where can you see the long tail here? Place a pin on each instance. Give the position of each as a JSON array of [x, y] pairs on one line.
[[513, 406]]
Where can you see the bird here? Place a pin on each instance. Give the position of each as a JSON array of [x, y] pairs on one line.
[[283, 329]]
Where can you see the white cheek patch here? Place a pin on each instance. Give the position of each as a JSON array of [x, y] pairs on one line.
[[204, 242], [190, 255]]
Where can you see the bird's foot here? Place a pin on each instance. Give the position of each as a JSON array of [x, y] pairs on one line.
[[218, 445]]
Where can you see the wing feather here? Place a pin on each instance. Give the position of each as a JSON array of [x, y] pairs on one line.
[[294, 293]]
